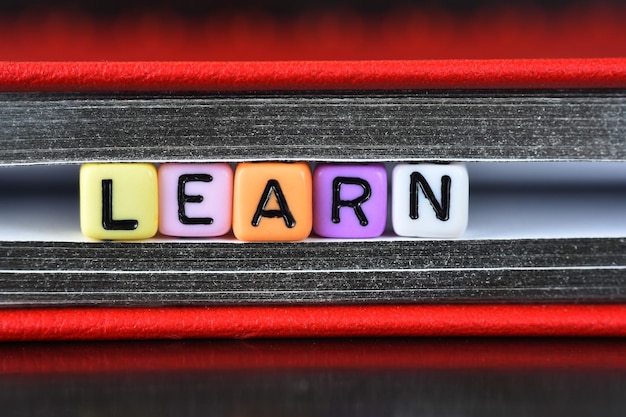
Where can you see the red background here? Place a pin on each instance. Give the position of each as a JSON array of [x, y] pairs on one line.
[[266, 30]]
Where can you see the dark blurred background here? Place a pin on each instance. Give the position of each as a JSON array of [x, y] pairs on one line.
[[453, 377], [310, 30], [367, 377]]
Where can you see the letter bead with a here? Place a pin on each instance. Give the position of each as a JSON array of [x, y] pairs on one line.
[[272, 201]]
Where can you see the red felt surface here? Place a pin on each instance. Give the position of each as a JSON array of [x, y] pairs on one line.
[[311, 75], [248, 322]]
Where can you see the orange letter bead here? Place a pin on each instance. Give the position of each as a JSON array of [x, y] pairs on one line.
[[272, 201]]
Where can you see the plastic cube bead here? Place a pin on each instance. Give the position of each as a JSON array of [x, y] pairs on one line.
[[272, 201], [195, 200], [349, 200], [430, 200], [118, 201]]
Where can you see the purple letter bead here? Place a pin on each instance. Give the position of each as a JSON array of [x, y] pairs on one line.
[[349, 200]]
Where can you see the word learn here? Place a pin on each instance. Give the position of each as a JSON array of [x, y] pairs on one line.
[[272, 201]]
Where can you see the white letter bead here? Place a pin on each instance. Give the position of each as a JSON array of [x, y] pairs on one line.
[[430, 200]]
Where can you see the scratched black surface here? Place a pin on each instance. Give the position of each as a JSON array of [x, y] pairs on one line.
[[414, 125], [424, 271]]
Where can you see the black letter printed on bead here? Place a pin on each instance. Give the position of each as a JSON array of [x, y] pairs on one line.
[[355, 204], [184, 198], [107, 211], [442, 211], [273, 187]]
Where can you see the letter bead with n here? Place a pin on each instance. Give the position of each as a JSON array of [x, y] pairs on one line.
[[430, 200]]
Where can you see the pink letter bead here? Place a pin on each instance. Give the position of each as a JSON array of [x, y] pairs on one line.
[[195, 199], [349, 200], [429, 200]]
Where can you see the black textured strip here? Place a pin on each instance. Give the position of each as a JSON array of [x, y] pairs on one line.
[[422, 271], [419, 125]]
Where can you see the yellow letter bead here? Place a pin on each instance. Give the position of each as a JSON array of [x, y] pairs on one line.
[[119, 201]]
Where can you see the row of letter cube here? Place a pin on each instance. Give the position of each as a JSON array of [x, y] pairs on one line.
[[272, 201]]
